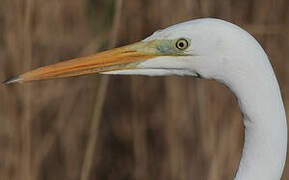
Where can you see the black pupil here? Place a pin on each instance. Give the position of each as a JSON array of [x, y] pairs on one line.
[[181, 44]]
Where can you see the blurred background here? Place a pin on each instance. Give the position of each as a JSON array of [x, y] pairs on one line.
[[122, 127]]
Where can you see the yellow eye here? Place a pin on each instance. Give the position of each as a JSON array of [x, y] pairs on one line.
[[182, 44]]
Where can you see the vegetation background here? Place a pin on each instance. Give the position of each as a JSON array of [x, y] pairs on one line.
[[122, 127]]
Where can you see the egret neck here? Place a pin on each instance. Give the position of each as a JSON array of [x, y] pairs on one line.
[[260, 101]]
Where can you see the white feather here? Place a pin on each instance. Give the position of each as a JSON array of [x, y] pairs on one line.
[[222, 51]]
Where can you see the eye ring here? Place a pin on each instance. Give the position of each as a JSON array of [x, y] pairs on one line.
[[182, 44]]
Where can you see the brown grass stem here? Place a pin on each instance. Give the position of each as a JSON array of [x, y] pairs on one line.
[[101, 94], [26, 128]]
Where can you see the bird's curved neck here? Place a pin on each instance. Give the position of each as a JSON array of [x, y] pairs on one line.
[[260, 101]]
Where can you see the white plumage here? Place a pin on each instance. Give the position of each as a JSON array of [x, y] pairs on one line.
[[222, 51]]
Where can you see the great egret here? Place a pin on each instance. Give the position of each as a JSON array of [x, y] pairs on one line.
[[210, 49]]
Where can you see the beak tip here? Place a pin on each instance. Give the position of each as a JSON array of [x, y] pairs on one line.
[[11, 80]]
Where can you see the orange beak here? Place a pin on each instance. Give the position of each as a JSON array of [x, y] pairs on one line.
[[116, 59]]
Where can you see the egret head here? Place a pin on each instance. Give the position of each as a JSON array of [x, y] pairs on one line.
[[195, 48]]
